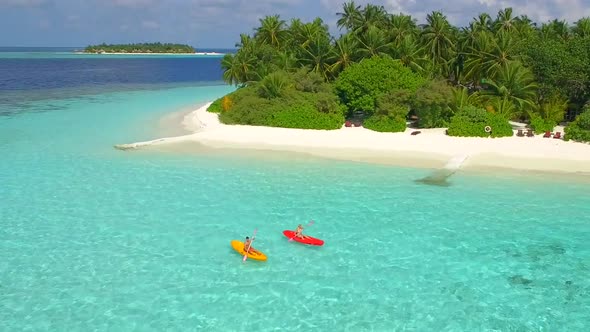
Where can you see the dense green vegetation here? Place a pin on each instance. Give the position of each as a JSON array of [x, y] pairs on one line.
[[472, 121], [579, 130], [139, 48], [390, 68], [298, 100]]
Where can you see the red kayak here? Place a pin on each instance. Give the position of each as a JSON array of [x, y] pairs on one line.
[[306, 240]]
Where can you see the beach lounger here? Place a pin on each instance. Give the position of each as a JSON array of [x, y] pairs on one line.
[[348, 124], [520, 133], [557, 135], [529, 133], [547, 134], [414, 133]]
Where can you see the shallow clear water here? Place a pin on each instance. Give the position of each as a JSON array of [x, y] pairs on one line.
[[93, 238]]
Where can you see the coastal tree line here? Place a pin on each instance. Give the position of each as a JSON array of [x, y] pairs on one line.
[[140, 48], [497, 68]]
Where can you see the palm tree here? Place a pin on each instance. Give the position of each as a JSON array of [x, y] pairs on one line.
[[239, 69], [317, 55], [285, 61], [303, 34], [483, 22], [582, 27], [552, 109], [230, 71], [482, 44], [462, 98], [524, 26], [504, 106], [350, 16], [245, 41], [272, 31], [505, 21], [559, 29], [344, 53], [501, 52], [371, 16], [437, 37], [273, 85], [411, 54], [401, 26], [373, 42], [515, 83]]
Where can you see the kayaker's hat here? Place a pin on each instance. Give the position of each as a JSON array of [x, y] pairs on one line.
[[247, 238]]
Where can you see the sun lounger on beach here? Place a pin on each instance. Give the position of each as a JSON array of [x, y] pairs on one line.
[[530, 133], [520, 133], [547, 134], [557, 135], [414, 133], [348, 124]]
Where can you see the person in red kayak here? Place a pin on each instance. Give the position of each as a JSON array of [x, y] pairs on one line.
[[248, 247], [299, 232]]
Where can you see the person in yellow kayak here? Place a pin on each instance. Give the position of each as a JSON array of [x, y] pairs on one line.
[[299, 232], [248, 247]]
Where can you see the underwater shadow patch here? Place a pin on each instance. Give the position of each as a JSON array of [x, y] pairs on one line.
[[439, 178]]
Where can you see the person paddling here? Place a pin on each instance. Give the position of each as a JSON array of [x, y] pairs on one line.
[[299, 232], [248, 247]]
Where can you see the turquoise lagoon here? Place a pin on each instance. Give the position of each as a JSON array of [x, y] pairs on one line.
[[97, 239]]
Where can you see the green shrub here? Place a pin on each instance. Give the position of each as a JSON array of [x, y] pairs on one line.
[[289, 109], [384, 123], [251, 110], [579, 130], [390, 116], [471, 121], [540, 125], [306, 81], [432, 103], [274, 85], [361, 84], [583, 120], [215, 107], [433, 116], [305, 117]]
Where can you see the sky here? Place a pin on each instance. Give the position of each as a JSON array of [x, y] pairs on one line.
[[218, 23]]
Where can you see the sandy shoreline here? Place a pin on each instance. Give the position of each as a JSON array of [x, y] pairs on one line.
[[432, 148]]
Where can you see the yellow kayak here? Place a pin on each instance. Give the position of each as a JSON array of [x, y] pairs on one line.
[[239, 247]]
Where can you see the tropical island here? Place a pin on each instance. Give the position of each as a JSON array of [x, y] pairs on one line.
[[502, 92], [394, 73], [140, 48]]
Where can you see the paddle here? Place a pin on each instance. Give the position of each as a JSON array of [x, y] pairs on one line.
[[308, 224], [249, 245]]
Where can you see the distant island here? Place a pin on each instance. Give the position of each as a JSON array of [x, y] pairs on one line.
[[140, 48]]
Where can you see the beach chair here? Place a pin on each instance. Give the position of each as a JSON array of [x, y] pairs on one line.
[[547, 134], [348, 124], [557, 135], [520, 133], [529, 133], [414, 133]]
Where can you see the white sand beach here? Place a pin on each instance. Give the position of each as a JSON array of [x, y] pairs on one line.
[[431, 148]]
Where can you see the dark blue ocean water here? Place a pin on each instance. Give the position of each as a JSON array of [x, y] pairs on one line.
[[52, 73], [32, 74]]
